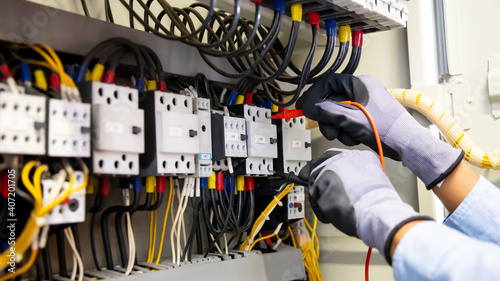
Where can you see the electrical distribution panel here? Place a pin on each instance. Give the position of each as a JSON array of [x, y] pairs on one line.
[[73, 211], [204, 160], [118, 128], [262, 141], [366, 15], [173, 131], [296, 203], [294, 145], [69, 129], [229, 137]]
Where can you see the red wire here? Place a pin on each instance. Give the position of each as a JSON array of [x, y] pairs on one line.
[[381, 154]]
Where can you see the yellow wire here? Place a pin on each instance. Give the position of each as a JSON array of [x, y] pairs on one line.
[[23, 269], [165, 221], [293, 237], [260, 239]]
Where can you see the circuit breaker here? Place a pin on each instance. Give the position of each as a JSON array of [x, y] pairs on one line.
[[22, 123], [294, 145], [71, 211], [68, 133], [229, 137], [296, 203], [173, 131], [262, 141], [117, 128], [204, 160]]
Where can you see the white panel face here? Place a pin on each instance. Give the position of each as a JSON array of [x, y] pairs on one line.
[[296, 145], [177, 134], [234, 128], [22, 124], [118, 129], [74, 211], [259, 140], [69, 129], [296, 203]]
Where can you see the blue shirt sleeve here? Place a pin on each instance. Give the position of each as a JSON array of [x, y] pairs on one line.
[[432, 251], [478, 215]]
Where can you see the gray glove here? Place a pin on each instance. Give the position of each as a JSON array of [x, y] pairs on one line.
[[402, 137], [349, 189]]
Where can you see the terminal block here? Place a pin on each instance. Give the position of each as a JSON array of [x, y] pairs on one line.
[[296, 203], [70, 211], [294, 145], [22, 123], [172, 131], [262, 141], [69, 129], [117, 128], [204, 160], [229, 138]]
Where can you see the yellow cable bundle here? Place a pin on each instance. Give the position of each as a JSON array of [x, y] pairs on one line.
[[259, 222], [451, 130], [309, 245]]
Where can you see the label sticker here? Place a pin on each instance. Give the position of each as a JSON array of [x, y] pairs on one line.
[[16, 123], [175, 132], [296, 144], [260, 139], [113, 127], [205, 156], [232, 137]]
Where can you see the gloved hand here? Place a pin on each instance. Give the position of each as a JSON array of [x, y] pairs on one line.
[[349, 189], [402, 137]]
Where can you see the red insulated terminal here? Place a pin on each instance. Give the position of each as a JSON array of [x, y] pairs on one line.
[[256, 1], [104, 186], [357, 38], [54, 81], [162, 86], [296, 205], [219, 181], [109, 78], [248, 99], [5, 69], [288, 114], [314, 19], [249, 184], [4, 185], [267, 240], [160, 184]]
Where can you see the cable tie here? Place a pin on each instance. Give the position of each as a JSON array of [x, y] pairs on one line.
[[266, 217], [277, 244], [278, 201], [278, 228], [40, 221]]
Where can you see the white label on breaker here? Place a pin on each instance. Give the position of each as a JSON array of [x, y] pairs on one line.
[[19, 123], [113, 127], [260, 139], [296, 144], [175, 132], [232, 137], [205, 156]]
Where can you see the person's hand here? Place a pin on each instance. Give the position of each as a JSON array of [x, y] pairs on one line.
[[349, 189], [402, 137]]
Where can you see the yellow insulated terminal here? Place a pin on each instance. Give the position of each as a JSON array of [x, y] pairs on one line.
[[151, 84], [150, 184], [240, 99], [97, 72], [40, 80], [211, 181], [296, 12], [344, 33], [240, 183]]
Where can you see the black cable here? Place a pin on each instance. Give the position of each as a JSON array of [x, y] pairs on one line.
[[130, 16], [358, 58], [119, 226], [343, 49], [109, 14], [39, 267], [352, 60], [47, 263], [85, 8], [61, 253]]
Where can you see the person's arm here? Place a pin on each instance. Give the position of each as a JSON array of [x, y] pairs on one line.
[[431, 251]]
